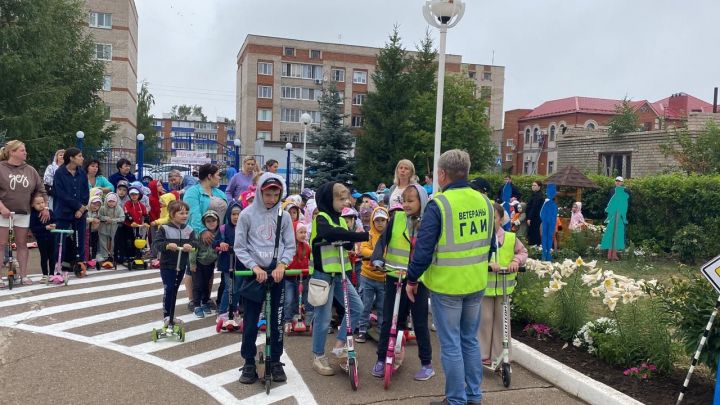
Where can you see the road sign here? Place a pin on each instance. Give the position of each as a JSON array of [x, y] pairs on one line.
[[190, 154], [711, 271], [178, 160]]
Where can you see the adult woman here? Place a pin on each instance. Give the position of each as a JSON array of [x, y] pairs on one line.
[[50, 172], [95, 177], [72, 192], [19, 182], [272, 166], [242, 180], [404, 176], [533, 213]]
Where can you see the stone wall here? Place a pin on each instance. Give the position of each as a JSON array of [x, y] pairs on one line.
[[698, 121]]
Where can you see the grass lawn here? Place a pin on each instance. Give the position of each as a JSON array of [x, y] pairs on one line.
[[661, 269]]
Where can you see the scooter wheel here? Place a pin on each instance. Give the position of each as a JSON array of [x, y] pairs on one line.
[[218, 325], [11, 281], [505, 371], [354, 377], [268, 381], [154, 335], [388, 374], [181, 335], [240, 326]]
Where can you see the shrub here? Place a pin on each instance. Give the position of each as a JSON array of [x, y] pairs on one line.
[[528, 303], [688, 243], [585, 337]]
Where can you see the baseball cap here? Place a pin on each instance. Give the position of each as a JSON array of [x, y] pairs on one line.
[[380, 214], [271, 183], [356, 194], [95, 199], [134, 190], [349, 212], [395, 207], [619, 178]]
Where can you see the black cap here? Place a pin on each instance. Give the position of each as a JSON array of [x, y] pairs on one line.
[[480, 185]]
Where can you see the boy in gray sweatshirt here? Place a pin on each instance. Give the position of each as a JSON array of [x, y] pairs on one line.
[[254, 246]]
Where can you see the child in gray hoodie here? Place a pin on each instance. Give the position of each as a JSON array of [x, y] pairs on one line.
[[254, 245]]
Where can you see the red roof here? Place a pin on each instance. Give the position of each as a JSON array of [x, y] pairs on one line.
[[675, 110]]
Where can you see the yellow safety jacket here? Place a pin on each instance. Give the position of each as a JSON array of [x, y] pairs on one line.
[[329, 255], [398, 250], [505, 256]]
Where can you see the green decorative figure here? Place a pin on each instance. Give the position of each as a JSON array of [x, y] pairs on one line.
[[614, 236]]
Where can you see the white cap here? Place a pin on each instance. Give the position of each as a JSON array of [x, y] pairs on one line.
[[619, 178]]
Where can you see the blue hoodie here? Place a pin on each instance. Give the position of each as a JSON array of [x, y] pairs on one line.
[[226, 234]]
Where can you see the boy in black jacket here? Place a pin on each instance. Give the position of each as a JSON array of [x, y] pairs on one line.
[[44, 238]]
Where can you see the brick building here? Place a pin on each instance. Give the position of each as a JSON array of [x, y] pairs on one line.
[[279, 79], [215, 139], [114, 27], [530, 137]]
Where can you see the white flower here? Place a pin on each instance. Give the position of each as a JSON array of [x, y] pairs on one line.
[[652, 282], [610, 302], [547, 292], [595, 292], [592, 264], [628, 297], [608, 283], [579, 261], [577, 342], [556, 284], [591, 349]]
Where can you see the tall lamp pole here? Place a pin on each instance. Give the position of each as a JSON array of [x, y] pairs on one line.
[[140, 139], [442, 14], [80, 138], [236, 142], [306, 120], [289, 148]]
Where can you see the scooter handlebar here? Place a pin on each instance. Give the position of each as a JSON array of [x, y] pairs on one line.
[[503, 270], [248, 273], [61, 231]]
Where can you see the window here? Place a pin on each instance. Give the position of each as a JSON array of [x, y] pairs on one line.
[[616, 164], [552, 133], [590, 125], [100, 20], [302, 71], [311, 94], [107, 83], [103, 51], [563, 128], [358, 98], [536, 135], [106, 112], [487, 76], [291, 70], [356, 121], [264, 114], [265, 135], [338, 74], [551, 167], [360, 77], [315, 54], [290, 92], [527, 136], [485, 92], [264, 91], [264, 68], [510, 143], [508, 157], [289, 51], [290, 115], [290, 136], [341, 95], [472, 74], [526, 168]]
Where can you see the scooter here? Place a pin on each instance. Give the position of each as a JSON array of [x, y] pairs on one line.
[[298, 324], [8, 260], [60, 276], [174, 326], [231, 324], [77, 265], [396, 342], [352, 356], [140, 243]]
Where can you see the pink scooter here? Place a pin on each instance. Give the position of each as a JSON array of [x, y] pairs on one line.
[[60, 276]]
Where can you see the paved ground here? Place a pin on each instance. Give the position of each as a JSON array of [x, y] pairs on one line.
[[89, 342]]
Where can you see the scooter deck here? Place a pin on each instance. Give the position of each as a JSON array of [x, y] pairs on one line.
[[374, 334]]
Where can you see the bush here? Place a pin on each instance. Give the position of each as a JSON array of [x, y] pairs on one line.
[[528, 303], [688, 243]]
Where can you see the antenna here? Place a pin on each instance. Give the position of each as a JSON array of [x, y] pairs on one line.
[[492, 60], [340, 38]]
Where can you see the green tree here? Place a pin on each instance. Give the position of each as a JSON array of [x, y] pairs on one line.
[[385, 113], [183, 112], [695, 153], [152, 153], [332, 161], [625, 120], [49, 78]]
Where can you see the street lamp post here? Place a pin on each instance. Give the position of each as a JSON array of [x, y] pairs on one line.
[[140, 139], [306, 120], [289, 148], [236, 142], [442, 14], [80, 138]]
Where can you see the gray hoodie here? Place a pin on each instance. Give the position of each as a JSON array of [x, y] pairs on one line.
[[255, 231]]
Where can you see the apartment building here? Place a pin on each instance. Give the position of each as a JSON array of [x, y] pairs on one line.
[[279, 79], [114, 27], [211, 140]]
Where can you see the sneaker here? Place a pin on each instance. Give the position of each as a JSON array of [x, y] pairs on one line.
[[341, 357], [378, 369], [44, 279], [249, 374], [199, 312], [207, 309], [425, 373], [190, 307], [277, 372], [322, 366], [361, 337], [287, 328]]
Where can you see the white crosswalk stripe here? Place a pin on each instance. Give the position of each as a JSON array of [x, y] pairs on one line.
[[120, 292]]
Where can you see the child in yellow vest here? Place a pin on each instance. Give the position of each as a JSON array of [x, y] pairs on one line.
[[510, 254]]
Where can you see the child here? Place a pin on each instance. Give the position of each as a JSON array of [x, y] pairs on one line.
[[135, 216], [173, 239], [511, 255], [371, 279], [122, 192], [301, 261], [165, 201], [294, 211], [111, 216], [224, 241], [93, 227], [255, 239], [366, 217], [577, 220], [45, 239], [328, 227], [205, 266], [519, 221], [396, 245]]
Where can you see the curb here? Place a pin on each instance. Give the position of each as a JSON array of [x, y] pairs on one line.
[[567, 378]]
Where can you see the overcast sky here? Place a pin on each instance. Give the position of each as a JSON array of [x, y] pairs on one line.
[[643, 49]]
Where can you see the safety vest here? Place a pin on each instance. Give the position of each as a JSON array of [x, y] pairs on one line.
[[329, 255], [460, 260], [506, 252], [398, 250]]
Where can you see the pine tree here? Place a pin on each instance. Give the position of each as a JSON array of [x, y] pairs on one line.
[[332, 161]]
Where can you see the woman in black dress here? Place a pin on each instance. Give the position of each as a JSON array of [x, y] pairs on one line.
[[533, 213]]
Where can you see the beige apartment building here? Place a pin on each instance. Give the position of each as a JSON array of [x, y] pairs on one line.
[[114, 26], [279, 79]]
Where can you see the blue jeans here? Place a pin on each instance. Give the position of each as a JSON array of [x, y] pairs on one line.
[[225, 300], [291, 299], [373, 295], [321, 321], [457, 318]]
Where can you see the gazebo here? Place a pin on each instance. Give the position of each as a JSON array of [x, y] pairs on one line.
[[569, 176]]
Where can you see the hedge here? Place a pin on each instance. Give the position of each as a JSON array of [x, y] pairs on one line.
[[660, 206]]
